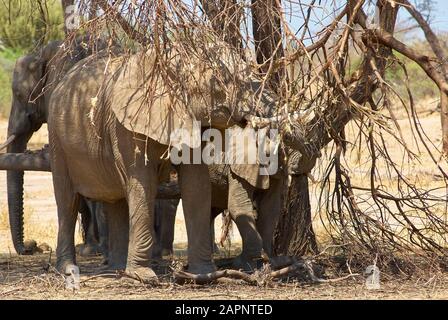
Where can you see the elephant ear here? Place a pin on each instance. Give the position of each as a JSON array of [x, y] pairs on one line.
[[243, 152], [142, 103], [49, 51], [46, 56]]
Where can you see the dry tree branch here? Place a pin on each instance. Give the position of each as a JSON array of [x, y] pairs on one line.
[[258, 277], [130, 31]]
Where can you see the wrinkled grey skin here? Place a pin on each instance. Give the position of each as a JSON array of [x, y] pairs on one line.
[[28, 112], [255, 211], [165, 218], [107, 162]]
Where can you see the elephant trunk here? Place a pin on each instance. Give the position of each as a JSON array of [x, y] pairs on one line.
[[15, 199]]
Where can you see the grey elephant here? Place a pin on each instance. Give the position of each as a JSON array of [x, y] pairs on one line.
[[253, 206], [28, 113], [105, 146], [165, 219]]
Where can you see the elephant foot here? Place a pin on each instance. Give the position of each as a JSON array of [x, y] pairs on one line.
[[88, 250], [202, 268], [113, 266], [64, 266], [247, 264], [143, 274]]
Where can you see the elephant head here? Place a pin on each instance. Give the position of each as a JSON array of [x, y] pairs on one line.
[[28, 113]]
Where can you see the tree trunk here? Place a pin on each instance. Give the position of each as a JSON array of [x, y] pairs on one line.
[[268, 38], [297, 216], [225, 18], [294, 234]]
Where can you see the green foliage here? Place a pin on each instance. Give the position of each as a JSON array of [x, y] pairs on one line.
[[26, 24], [420, 85], [6, 66]]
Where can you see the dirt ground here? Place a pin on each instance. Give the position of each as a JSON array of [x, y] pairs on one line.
[[31, 278], [34, 277]]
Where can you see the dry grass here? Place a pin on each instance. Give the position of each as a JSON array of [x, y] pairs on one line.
[[30, 277]]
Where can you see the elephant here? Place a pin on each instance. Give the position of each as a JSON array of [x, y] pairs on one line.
[[108, 143], [254, 210], [94, 227], [168, 198], [28, 113], [165, 219]]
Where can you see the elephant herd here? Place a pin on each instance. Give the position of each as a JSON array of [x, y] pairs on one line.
[[108, 143]]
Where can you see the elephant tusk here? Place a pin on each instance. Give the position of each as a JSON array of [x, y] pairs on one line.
[[8, 142]]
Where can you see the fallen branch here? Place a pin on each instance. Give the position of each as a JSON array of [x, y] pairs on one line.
[[182, 276], [257, 278], [28, 161]]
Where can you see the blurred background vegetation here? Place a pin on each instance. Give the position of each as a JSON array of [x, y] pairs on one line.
[[24, 26], [421, 87]]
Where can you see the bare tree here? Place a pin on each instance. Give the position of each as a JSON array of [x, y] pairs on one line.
[[225, 16]]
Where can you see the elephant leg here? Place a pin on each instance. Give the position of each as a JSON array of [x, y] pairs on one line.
[[269, 213], [168, 220], [158, 223], [194, 181], [90, 247], [67, 201], [142, 190], [118, 226], [243, 214], [102, 227]]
